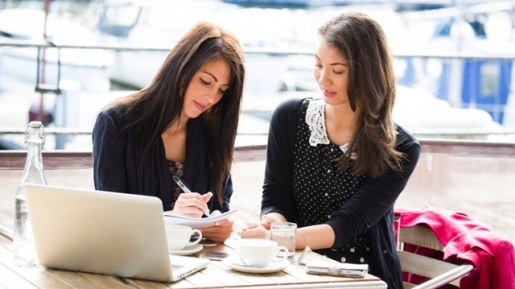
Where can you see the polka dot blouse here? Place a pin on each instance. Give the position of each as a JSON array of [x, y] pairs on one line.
[[319, 187]]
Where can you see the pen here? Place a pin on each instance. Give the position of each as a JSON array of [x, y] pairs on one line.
[[184, 188], [181, 184]]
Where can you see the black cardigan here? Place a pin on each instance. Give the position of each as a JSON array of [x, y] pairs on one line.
[[116, 163], [371, 207]]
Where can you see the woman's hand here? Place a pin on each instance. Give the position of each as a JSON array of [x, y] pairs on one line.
[[259, 230], [221, 231], [254, 230], [192, 204]]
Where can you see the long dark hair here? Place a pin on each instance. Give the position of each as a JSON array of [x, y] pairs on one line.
[[371, 89], [159, 104]]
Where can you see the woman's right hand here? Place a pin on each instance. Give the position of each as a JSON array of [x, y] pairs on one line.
[[192, 204], [254, 230], [260, 230]]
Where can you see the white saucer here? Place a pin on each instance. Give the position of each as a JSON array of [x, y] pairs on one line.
[[187, 250], [234, 263]]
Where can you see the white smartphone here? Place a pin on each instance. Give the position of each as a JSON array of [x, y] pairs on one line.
[[342, 269]]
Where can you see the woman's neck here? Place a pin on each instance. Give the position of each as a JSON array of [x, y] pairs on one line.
[[177, 126], [174, 141], [340, 122]]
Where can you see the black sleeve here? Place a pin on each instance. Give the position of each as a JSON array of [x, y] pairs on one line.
[[375, 197], [109, 151], [277, 187]]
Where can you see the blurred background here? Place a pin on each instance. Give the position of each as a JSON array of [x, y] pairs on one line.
[[62, 61]]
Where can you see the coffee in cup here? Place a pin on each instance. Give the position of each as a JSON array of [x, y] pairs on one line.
[[178, 236], [260, 252]]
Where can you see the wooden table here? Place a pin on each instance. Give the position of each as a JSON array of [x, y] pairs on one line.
[[216, 275]]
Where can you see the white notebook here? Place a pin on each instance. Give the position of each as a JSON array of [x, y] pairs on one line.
[[196, 223], [105, 233]]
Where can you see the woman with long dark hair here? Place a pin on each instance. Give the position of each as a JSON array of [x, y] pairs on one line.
[[337, 163], [183, 123]]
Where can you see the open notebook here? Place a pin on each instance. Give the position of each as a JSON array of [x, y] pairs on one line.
[[104, 232]]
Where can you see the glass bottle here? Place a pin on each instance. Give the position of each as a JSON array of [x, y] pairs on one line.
[[23, 241]]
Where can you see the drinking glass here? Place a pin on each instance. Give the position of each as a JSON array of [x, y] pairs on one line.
[[285, 234]]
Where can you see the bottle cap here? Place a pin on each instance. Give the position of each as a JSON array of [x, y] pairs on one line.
[[35, 124]]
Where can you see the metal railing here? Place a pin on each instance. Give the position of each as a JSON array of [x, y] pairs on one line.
[[457, 55], [449, 55], [56, 159]]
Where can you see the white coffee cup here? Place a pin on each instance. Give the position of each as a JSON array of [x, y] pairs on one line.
[[178, 236], [260, 252]]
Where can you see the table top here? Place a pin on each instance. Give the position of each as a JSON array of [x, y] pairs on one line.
[[215, 275]]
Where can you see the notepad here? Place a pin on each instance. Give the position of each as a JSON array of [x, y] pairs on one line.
[[196, 223]]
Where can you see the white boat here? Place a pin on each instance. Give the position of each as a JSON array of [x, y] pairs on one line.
[[86, 69], [479, 83], [426, 115], [420, 112], [482, 82], [161, 23], [298, 75]]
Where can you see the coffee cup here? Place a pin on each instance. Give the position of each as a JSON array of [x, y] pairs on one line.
[[260, 252], [178, 236]]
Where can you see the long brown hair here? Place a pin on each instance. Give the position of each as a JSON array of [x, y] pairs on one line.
[[371, 88], [159, 104]]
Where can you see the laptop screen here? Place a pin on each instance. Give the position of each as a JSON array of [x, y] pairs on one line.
[[101, 232]]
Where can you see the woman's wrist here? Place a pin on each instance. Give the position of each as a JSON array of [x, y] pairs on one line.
[[301, 241]]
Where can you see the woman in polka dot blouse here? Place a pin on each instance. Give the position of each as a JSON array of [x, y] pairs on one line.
[[336, 164]]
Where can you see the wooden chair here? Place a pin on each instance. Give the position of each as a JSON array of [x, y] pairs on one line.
[[439, 272]]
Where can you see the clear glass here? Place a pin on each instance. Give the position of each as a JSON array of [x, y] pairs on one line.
[[285, 234], [23, 241]]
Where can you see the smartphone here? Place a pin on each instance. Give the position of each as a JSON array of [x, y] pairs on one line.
[[342, 269], [334, 272], [215, 256], [206, 242]]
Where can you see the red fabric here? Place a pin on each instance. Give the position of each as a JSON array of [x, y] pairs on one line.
[[466, 241]]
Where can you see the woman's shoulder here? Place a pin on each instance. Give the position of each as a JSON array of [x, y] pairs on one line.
[[406, 140], [293, 105], [114, 110], [116, 114]]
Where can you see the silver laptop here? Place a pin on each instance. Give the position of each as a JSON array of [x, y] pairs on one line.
[[105, 233]]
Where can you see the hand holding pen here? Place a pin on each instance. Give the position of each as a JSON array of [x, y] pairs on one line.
[[189, 203]]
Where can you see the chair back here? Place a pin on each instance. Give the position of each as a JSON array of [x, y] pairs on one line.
[[435, 271]]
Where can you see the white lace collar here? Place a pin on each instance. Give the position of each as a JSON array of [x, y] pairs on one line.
[[315, 118]]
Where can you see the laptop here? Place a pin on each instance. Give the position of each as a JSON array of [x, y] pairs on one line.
[[105, 233]]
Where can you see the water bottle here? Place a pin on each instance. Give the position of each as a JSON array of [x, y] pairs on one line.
[[23, 241]]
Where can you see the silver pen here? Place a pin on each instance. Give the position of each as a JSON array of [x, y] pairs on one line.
[[178, 180], [181, 184]]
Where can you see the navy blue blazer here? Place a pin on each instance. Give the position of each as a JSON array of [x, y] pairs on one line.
[[116, 163]]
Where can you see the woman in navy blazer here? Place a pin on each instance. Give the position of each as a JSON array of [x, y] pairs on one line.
[[183, 123]]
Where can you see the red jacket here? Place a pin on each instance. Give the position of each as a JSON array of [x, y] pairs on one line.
[[466, 241]]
